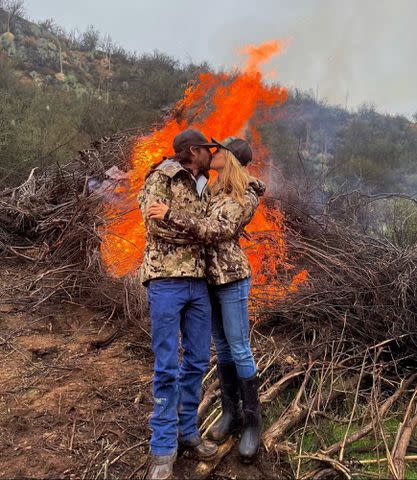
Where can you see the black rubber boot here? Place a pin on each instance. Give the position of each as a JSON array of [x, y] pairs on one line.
[[252, 419], [231, 418]]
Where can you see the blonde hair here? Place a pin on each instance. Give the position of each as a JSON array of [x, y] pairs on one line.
[[234, 179]]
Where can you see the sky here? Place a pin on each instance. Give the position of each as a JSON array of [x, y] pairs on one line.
[[346, 52]]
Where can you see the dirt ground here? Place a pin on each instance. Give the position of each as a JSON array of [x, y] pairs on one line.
[[69, 410]]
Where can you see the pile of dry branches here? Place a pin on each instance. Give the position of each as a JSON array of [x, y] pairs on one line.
[[51, 223], [358, 285]]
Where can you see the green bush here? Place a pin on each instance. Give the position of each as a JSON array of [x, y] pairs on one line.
[[47, 121]]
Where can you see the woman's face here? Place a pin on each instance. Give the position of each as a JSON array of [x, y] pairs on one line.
[[218, 161]]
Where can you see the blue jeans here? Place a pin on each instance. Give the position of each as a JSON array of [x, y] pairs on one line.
[[178, 304], [230, 325]]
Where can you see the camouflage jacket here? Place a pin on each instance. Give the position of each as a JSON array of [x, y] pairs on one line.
[[169, 252], [220, 231]]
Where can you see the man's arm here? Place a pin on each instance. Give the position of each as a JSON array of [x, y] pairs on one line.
[[157, 188], [223, 224]]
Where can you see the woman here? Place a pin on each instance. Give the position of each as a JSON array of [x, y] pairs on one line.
[[233, 201]]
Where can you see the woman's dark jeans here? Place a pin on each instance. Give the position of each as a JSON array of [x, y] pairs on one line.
[[230, 325]]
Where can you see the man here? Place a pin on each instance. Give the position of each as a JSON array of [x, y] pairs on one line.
[[173, 269]]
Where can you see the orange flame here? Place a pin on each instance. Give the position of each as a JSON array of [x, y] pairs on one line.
[[258, 54], [220, 105]]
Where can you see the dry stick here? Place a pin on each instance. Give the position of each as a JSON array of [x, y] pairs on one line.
[[72, 434], [305, 426], [342, 447], [18, 254], [406, 416], [270, 362], [378, 423], [373, 461], [56, 288], [331, 461], [210, 396], [336, 355], [207, 426], [137, 445], [205, 469], [212, 369], [319, 474], [369, 426], [402, 440], [105, 342], [277, 387], [208, 421], [290, 417], [387, 451], [376, 415], [296, 413], [403, 445]]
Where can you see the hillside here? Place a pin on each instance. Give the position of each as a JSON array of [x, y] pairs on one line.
[[47, 56], [59, 92]]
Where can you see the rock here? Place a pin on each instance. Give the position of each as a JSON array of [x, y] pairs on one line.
[[7, 38], [60, 77]]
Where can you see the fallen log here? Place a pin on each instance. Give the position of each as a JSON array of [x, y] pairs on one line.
[[402, 440], [291, 416]]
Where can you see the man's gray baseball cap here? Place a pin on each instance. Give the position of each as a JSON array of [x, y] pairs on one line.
[[191, 138]]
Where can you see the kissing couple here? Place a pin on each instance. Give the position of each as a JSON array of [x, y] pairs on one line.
[[198, 279]]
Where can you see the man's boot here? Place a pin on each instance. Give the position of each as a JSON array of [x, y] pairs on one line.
[[231, 418], [252, 419], [199, 448], [161, 467]]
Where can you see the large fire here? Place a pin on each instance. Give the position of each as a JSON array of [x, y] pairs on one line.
[[220, 105]]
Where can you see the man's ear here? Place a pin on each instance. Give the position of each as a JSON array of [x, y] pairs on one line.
[[193, 151]]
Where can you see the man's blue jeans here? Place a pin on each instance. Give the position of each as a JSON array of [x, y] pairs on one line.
[[178, 304], [230, 327]]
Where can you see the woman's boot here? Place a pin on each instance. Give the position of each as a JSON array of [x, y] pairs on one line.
[[231, 418], [252, 419]]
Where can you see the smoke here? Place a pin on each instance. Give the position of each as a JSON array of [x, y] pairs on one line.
[[347, 53]]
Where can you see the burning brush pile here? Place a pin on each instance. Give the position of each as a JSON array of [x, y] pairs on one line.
[[334, 310]]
